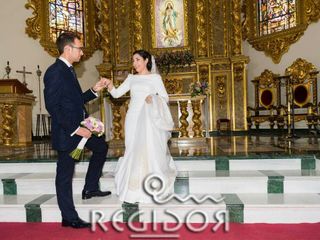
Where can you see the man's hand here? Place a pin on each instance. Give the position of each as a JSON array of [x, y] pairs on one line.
[[149, 99], [83, 132], [103, 83]]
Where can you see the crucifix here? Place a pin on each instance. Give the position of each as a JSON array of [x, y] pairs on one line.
[[24, 72]]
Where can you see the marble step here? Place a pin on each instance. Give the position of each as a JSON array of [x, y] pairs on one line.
[[242, 208], [263, 181], [200, 163], [194, 182]]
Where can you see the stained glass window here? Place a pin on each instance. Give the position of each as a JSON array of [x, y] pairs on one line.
[[66, 15], [276, 15]]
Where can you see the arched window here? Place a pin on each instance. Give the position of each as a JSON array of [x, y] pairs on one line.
[[276, 15], [65, 15], [51, 17], [272, 26]]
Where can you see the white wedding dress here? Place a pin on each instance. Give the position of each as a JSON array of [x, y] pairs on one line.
[[147, 129]]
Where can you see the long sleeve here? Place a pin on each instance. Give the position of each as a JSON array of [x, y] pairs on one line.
[[122, 89], [160, 88]]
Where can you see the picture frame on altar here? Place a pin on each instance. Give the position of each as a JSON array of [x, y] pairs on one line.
[[169, 24]]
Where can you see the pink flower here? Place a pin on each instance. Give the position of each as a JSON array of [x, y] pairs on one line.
[[96, 127]]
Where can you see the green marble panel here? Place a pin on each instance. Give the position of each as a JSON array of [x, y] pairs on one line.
[[275, 181], [222, 163], [275, 185], [235, 207], [33, 209], [128, 210], [9, 186], [308, 162]]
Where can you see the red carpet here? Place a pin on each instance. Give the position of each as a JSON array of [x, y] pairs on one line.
[[53, 231]]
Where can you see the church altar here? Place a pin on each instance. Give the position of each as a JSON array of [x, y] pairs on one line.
[[16, 113], [189, 116]]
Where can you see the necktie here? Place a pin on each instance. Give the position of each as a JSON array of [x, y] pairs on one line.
[[73, 72]]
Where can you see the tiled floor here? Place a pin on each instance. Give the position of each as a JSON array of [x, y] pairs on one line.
[[215, 146]]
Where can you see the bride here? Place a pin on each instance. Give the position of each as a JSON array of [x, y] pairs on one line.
[[147, 125]]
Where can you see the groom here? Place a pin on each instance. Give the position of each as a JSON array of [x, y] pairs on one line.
[[65, 101]]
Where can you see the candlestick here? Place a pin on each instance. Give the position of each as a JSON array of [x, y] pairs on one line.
[[8, 69]]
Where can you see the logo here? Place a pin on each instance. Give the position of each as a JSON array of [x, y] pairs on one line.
[[155, 187]]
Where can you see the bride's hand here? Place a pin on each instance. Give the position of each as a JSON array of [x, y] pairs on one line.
[[149, 99]]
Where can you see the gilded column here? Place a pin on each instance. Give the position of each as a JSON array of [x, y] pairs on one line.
[[218, 13], [117, 127], [204, 75], [201, 29], [197, 124], [238, 65], [106, 30], [236, 36], [8, 123], [137, 25], [183, 119], [239, 94], [221, 98], [118, 10]]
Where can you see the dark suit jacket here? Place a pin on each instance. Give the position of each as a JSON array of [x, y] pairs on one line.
[[64, 101]]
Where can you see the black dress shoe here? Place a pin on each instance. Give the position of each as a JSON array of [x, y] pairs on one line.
[[79, 223], [97, 193]]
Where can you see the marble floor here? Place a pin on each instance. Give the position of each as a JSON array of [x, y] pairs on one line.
[[262, 178], [225, 145]]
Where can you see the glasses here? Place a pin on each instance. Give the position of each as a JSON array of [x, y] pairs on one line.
[[80, 48]]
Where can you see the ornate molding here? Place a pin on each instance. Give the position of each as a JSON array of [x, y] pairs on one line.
[[301, 71], [33, 28], [97, 23], [137, 25], [245, 19], [312, 10], [221, 88], [236, 37], [219, 31], [37, 27], [173, 85], [106, 31], [266, 78], [201, 29], [204, 73], [238, 71], [278, 43], [117, 6]]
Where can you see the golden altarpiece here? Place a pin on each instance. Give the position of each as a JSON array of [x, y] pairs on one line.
[[211, 33], [211, 30]]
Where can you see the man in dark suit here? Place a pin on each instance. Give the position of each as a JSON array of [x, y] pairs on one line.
[[65, 101]]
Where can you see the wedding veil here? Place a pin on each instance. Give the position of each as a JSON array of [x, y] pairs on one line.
[[154, 68]]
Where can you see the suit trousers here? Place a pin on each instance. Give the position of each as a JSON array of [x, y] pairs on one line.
[[65, 172]]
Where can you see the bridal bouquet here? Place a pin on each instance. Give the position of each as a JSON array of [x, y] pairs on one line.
[[96, 127]]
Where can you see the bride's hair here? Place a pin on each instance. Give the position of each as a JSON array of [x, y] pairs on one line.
[[145, 55]]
